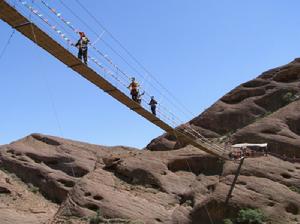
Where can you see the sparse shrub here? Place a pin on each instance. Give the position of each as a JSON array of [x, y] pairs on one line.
[[33, 188], [289, 97], [295, 189], [97, 218], [268, 113], [227, 221], [189, 202], [250, 216]]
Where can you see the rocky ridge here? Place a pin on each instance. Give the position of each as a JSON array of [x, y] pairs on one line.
[[247, 104], [133, 186], [168, 183]]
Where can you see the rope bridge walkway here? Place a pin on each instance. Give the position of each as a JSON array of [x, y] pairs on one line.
[[165, 119]]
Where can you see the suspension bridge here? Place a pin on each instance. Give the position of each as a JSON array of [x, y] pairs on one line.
[[11, 15]]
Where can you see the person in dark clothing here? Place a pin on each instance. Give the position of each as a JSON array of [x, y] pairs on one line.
[[139, 97], [153, 104], [134, 90], [82, 46]]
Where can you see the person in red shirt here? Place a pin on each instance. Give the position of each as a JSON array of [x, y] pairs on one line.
[[134, 89]]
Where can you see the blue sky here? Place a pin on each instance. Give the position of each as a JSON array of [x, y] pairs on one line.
[[198, 50]]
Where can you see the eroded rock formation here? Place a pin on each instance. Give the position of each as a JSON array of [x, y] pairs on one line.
[[163, 185], [181, 186], [244, 105]]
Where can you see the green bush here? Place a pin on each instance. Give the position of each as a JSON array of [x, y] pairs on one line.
[[295, 189], [250, 216], [33, 188], [227, 221], [97, 218], [289, 97]]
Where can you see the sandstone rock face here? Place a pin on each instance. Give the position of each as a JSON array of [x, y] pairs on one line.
[[171, 183], [133, 186], [52, 164], [280, 129], [19, 204], [245, 104]]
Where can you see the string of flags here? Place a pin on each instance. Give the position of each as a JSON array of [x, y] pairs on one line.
[[72, 27], [36, 12], [68, 40], [69, 24], [202, 139]]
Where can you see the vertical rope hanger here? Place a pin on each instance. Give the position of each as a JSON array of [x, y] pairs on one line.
[[7, 44], [46, 81], [49, 92]]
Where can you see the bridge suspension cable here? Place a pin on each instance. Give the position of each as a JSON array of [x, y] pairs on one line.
[[195, 132], [175, 121], [144, 78], [69, 42], [133, 57], [49, 44], [76, 30]]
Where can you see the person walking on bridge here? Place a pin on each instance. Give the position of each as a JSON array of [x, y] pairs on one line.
[[82, 45], [139, 97], [153, 104], [134, 89]]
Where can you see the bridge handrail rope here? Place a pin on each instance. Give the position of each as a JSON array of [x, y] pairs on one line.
[[135, 59], [145, 78], [50, 17], [91, 29], [109, 60], [200, 136], [64, 36], [69, 24], [190, 130], [72, 27], [202, 139], [68, 40], [119, 55]]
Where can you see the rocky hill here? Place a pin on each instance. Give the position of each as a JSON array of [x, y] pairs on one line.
[[46, 179], [256, 111]]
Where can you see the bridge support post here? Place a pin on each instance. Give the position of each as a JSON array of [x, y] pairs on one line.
[[234, 181]]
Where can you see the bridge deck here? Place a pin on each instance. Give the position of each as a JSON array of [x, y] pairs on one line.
[[16, 20]]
